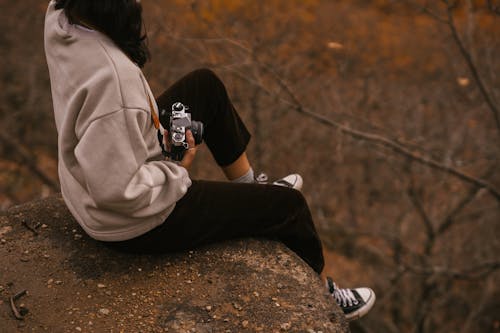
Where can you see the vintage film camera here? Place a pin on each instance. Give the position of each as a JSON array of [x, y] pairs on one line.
[[177, 121]]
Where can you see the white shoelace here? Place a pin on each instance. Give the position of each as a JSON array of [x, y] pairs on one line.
[[344, 297]]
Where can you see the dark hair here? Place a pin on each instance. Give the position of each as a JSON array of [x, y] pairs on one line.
[[120, 20]]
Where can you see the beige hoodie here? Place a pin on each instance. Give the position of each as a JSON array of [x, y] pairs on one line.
[[113, 177]]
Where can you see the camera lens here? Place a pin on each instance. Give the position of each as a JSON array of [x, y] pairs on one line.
[[197, 130], [177, 137]]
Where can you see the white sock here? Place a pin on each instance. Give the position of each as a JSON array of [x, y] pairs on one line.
[[246, 178]]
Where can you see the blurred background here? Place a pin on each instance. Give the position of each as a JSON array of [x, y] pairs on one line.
[[389, 109]]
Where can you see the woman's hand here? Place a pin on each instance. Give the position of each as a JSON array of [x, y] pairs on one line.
[[189, 154]]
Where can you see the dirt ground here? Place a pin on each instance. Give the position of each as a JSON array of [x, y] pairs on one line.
[[75, 284]]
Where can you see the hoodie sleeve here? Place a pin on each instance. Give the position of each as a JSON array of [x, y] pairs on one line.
[[113, 156]]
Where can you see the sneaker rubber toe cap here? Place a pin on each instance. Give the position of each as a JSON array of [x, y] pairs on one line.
[[294, 181], [368, 297]]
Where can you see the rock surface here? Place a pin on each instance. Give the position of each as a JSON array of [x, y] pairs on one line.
[[75, 284]]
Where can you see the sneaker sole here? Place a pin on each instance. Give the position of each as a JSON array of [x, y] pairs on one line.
[[364, 310]]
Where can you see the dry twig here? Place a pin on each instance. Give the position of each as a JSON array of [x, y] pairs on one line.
[[17, 313], [30, 227]]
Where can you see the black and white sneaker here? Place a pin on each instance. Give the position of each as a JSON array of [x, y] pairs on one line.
[[354, 302], [292, 181]]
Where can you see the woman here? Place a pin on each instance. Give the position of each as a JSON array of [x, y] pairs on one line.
[[114, 178]]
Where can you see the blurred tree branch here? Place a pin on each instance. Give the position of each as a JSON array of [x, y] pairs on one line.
[[475, 272], [466, 55], [27, 159], [470, 63], [495, 8], [448, 221], [374, 139], [429, 229], [428, 286], [406, 248], [379, 140]]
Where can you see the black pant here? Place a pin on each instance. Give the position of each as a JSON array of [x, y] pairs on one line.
[[215, 211]]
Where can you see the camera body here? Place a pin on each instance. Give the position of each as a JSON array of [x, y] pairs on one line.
[[177, 121]]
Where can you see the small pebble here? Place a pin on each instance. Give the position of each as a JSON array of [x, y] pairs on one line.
[[5, 230], [58, 282], [79, 329], [50, 281], [3, 241], [104, 311], [101, 285], [208, 308], [244, 323], [44, 226]]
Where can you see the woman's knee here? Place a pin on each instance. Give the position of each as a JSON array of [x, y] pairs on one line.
[[294, 200], [207, 75]]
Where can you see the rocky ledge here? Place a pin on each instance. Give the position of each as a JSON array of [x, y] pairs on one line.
[[54, 278]]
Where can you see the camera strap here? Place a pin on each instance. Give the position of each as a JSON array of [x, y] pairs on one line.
[[156, 122], [154, 116]]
